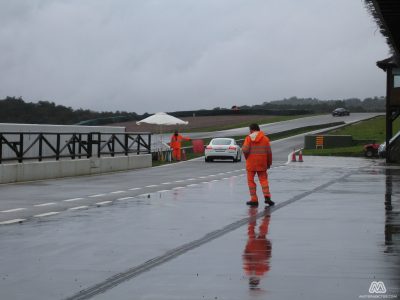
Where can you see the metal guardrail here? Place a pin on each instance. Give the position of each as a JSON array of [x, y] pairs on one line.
[[22, 146]]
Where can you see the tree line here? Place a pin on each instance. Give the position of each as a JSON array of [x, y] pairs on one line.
[[16, 110], [375, 104]]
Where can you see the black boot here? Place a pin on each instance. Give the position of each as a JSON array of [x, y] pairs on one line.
[[269, 201], [252, 203]]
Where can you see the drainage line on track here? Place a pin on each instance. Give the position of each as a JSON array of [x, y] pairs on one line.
[[119, 278]]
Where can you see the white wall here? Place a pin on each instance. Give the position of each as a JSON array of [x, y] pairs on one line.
[[28, 171]]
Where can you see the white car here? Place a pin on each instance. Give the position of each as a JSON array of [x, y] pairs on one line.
[[223, 148]]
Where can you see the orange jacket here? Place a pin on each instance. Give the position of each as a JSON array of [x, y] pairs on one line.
[[177, 140], [257, 151]]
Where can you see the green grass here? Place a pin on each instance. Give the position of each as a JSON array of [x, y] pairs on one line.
[[353, 151], [372, 130]]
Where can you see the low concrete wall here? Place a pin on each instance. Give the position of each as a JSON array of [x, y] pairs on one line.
[[28, 171]]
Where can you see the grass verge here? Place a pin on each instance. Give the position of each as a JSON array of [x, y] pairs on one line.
[[364, 132]]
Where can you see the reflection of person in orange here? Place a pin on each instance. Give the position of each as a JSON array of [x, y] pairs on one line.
[[175, 144], [257, 252]]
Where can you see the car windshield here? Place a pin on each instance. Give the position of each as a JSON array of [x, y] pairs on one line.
[[221, 142]]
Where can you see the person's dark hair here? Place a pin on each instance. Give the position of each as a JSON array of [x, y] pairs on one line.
[[254, 127], [176, 133]]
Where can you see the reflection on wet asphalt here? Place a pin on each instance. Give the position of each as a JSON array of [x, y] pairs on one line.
[[392, 213], [258, 250]]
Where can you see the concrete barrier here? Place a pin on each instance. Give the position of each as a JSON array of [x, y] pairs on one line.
[[27, 171]]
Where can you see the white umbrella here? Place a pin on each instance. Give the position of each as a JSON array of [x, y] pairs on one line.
[[162, 118]]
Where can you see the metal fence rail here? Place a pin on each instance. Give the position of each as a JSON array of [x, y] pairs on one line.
[[22, 146]]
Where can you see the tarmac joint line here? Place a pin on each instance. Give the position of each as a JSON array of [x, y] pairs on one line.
[[119, 278]]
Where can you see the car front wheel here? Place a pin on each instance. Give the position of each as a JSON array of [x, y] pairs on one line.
[[369, 153]]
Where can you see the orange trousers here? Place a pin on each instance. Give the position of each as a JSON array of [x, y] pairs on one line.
[[263, 177], [176, 153]]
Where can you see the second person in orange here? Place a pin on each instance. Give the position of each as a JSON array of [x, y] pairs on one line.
[[176, 144]]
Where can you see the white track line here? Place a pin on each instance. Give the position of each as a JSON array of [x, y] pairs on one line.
[[194, 184], [47, 214], [118, 192], [191, 179], [179, 180], [73, 199], [12, 221], [45, 204], [103, 202], [97, 195], [166, 183], [178, 188], [135, 189], [125, 198], [13, 210], [151, 185], [78, 207]]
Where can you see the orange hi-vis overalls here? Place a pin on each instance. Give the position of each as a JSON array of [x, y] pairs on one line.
[[175, 144], [258, 250], [257, 151]]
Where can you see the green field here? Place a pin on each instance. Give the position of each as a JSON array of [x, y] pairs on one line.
[[373, 130]]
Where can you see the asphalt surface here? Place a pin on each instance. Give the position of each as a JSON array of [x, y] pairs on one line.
[[183, 231], [329, 237], [32, 200]]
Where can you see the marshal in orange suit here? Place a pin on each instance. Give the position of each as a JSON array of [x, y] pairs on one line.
[[176, 143], [257, 151]]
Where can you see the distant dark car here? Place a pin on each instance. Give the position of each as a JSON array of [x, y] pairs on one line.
[[338, 112], [371, 150]]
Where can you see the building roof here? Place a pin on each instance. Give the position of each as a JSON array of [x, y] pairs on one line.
[[387, 16], [392, 61]]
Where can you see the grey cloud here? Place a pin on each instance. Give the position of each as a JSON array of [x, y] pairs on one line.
[[169, 55]]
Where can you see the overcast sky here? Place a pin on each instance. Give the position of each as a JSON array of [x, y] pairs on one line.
[[168, 55]]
